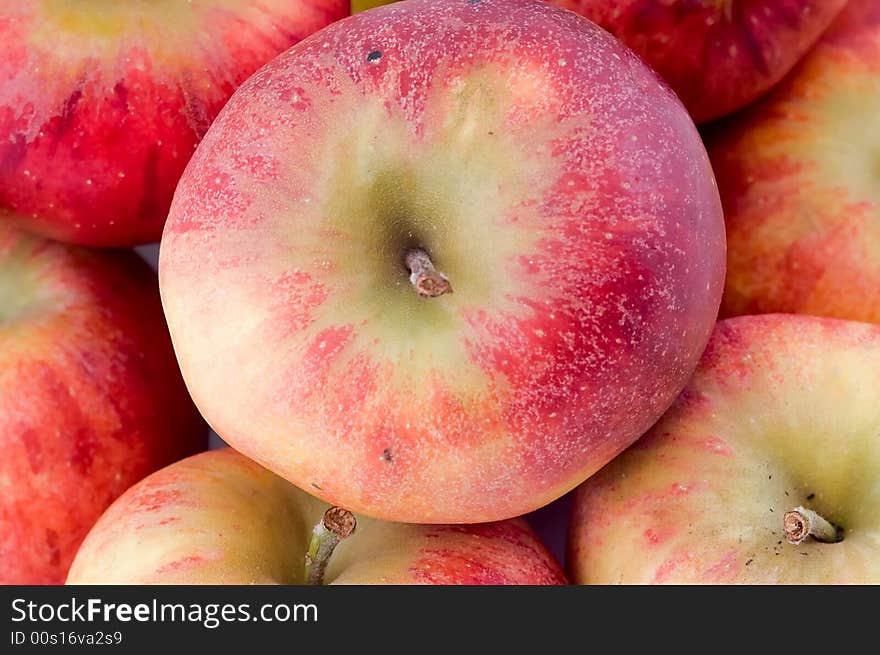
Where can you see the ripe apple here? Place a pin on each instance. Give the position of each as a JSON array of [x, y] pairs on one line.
[[779, 423], [718, 55], [91, 399], [219, 518], [363, 5], [443, 260], [102, 102], [800, 180]]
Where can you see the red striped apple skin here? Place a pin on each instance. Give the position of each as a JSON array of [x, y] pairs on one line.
[[220, 518], [102, 103], [800, 180], [91, 400], [561, 187], [718, 55], [781, 412]]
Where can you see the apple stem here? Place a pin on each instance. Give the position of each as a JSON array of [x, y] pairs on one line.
[[336, 524], [801, 523], [426, 279]]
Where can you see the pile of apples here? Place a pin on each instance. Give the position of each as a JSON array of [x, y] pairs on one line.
[[428, 267]]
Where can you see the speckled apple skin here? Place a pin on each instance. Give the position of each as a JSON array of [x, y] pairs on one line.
[[91, 400], [782, 411], [102, 103], [561, 187], [800, 180], [219, 518], [718, 55]]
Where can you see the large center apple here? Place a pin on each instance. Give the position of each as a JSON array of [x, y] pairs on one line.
[[780, 423], [442, 261], [219, 518]]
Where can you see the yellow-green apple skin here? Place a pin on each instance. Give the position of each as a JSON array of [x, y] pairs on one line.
[[103, 101], [220, 518], [783, 411], [363, 5], [800, 181], [561, 187]]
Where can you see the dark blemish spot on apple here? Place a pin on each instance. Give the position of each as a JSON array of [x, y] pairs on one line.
[[786, 493], [12, 153], [771, 509], [749, 561], [374, 56], [811, 496], [804, 554], [491, 133], [120, 91], [474, 2], [68, 110], [316, 486], [387, 456], [54, 550]]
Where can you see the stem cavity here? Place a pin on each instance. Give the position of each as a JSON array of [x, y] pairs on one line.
[[337, 524], [426, 279], [801, 523]]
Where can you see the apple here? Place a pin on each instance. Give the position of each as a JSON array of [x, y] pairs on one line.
[[777, 430], [718, 55], [363, 5], [441, 261], [102, 102], [91, 399], [219, 518], [800, 181]]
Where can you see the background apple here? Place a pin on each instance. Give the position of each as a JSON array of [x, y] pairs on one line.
[[567, 198], [800, 180], [718, 55], [782, 412], [102, 102], [363, 5], [219, 518], [91, 399]]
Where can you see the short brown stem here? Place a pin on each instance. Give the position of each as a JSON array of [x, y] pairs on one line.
[[426, 279], [801, 523], [336, 524]]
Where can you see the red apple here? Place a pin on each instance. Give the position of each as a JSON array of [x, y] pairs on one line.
[[779, 424], [219, 518], [718, 55], [102, 103], [563, 193], [800, 181], [91, 399]]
